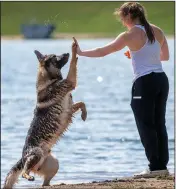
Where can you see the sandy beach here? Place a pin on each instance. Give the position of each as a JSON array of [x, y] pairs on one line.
[[125, 183]]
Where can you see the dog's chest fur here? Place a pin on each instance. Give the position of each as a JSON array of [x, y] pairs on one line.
[[63, 119]]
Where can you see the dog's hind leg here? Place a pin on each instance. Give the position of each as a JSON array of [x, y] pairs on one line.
[[32, 162], [82, 106], [29, 164], [48, 169]]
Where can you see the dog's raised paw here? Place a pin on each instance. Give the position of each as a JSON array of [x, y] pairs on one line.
[[84, 115]]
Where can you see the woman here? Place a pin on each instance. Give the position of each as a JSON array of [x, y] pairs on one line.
[[148, 47]]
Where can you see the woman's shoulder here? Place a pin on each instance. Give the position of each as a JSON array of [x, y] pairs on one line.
[[158, 32], [133, 30], [156, 28], [132, 33]]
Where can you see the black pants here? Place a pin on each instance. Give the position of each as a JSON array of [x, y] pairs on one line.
[[149, 97]]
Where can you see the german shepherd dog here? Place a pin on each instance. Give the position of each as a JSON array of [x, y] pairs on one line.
[[52, 116]]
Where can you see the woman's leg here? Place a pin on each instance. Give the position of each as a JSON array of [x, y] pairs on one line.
[[160, 123], [143, 106]]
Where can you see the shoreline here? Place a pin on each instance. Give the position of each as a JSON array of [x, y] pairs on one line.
[[123, 183], [70, 35]]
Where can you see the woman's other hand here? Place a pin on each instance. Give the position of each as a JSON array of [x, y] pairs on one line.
[[127, 54]]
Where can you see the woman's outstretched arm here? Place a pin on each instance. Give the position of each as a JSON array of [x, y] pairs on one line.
[[116, 45]]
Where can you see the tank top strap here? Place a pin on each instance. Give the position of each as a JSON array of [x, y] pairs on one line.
[[140, 26]]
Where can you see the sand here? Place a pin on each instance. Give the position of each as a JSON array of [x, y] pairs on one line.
[[125, 183]]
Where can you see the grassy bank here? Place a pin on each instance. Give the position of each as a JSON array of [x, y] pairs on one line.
[[79, 17]]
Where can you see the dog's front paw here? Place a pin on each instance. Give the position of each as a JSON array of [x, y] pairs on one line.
[[74, 49]]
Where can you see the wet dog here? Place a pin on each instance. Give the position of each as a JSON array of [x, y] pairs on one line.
[[52, 116]]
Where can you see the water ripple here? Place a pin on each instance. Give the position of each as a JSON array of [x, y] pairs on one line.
[[97, 149]]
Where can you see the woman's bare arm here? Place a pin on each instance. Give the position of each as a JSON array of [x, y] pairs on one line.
[[116, 45], [164, 55], [159, 35]]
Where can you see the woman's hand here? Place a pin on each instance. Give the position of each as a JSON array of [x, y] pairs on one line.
[[78, 50]]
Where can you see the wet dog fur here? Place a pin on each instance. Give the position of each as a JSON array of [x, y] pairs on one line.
[[52, 116]]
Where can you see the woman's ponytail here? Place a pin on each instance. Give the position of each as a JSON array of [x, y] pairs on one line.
[[148, 28]]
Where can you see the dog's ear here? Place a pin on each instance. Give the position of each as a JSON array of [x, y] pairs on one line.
[[39, 55]]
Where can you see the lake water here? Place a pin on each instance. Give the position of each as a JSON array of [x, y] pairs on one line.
[[107, 145]]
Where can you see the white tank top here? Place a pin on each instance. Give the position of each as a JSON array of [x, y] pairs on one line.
[[146, 59]]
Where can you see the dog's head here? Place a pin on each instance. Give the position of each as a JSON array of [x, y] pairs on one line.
[[50, 65]]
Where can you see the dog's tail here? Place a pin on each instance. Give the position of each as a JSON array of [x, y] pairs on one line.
[[12, 176]]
